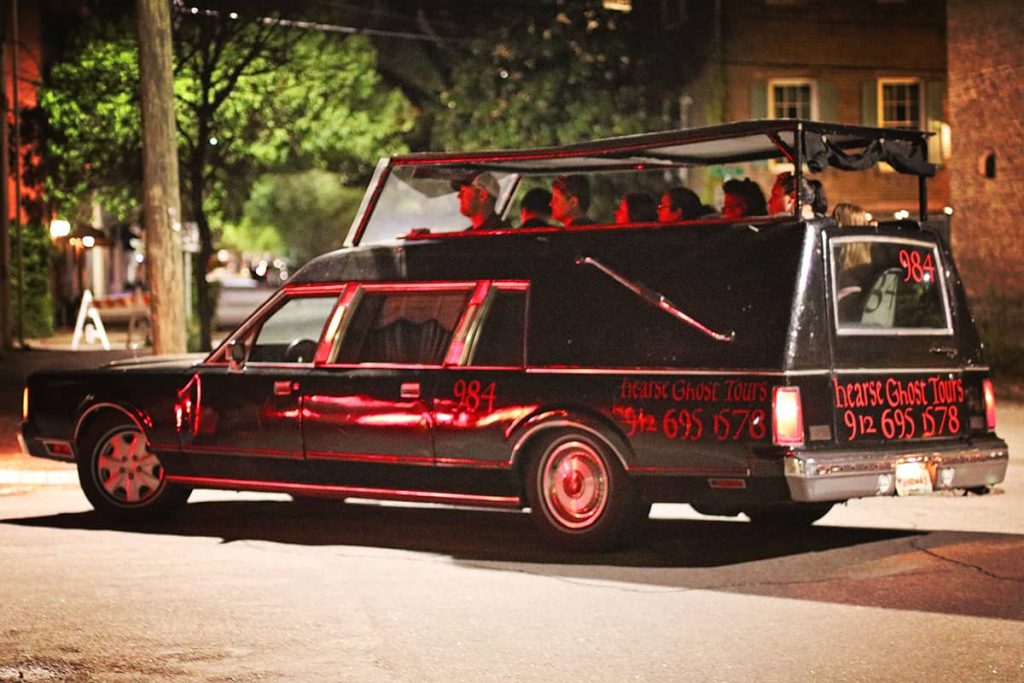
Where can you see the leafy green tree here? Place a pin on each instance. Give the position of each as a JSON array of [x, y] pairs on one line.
[[252, 96], [556, 72], [309, 212]]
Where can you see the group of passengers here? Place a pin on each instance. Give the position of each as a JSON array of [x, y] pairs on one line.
[[569, 201]]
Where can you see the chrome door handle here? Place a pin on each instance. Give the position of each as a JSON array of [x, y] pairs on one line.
[[285, 387], [410, 390]]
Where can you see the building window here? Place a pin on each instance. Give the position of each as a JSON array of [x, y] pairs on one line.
[[792, 99], [899, 103]]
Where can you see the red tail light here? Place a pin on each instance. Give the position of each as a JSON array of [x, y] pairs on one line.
[[990, 405], [787, 417]]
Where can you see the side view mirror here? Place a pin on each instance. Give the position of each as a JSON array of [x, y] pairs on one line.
[[236, 353]]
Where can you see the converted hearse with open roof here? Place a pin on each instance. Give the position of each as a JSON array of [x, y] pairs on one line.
[[741, 366]]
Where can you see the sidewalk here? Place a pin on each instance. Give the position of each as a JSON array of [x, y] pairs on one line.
[[18, 470]]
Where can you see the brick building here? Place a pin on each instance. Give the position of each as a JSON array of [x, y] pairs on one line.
[[986, 106], [870, 62]]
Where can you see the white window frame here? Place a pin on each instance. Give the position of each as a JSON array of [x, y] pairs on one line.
[[900, 80], [783, 82]]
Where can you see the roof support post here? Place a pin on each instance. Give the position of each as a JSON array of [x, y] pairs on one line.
[[798, 166]]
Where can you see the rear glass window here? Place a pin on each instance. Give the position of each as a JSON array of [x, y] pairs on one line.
[[403, 327], [503, 334], [888, 287]]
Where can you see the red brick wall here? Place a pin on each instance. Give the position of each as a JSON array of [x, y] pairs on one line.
[[986, 108]]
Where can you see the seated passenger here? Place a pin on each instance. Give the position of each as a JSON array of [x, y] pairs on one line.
[[476, 202], [535, 209], [636, 207], [820, 203], [784, 193], [570, 200], [681, 204], [850, 215], [743, 198]]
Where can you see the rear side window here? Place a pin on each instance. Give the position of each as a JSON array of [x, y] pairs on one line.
[[888, 286], [502, 336], [408, 327]]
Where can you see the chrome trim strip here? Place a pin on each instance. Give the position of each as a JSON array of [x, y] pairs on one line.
[[668, 371], [99, 406], [232, 451], [890, 371], [563, 423], [329, 490]]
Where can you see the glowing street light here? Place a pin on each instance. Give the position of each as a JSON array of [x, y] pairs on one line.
[[59, 228]]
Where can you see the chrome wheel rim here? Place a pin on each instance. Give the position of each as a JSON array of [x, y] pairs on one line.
[[126, 470], [574, 484]]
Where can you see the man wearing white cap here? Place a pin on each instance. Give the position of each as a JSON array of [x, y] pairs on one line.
[[476, 202]]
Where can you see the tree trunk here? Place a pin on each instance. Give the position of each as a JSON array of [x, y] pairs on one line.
[[204, 302], [162, 203]]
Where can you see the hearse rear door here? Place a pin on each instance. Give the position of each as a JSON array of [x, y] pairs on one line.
[[898, 369]]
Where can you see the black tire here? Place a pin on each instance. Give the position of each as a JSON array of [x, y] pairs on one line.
[[122, 478], [788, 514], [579, 495]]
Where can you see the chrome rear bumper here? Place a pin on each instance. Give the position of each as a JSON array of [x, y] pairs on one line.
[[819, 476]]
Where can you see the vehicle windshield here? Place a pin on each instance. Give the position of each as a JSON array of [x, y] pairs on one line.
[[425, 198]]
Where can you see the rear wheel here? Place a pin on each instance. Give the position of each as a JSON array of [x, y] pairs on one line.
[[579, 495], [788, 514], [122, 477]]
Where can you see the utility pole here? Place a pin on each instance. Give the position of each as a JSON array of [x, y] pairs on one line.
[[162, 202]]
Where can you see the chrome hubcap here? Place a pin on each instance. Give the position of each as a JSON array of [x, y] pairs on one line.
[[127, 470], [575, 484]]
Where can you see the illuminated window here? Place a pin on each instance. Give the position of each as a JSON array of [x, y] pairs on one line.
[[792, 99], [899, 103]]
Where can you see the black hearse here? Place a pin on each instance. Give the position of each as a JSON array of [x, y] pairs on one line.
[[771, 366]]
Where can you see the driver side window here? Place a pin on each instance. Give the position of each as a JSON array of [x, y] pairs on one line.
[[292, 332]]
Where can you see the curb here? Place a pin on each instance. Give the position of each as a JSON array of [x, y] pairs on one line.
[[16, 477]]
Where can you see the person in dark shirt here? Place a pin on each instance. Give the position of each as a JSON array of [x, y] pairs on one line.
[[477, 197], [535, 209], [784, 195], [743, 198], [636, 207], [570, 200], [681, 204]]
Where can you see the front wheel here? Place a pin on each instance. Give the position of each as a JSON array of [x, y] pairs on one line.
[[579, 495], [123, 478]]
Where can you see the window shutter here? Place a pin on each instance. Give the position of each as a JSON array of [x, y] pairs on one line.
[[935, 116], [869, 103], [935, 104], [827, 101], [759, 100]]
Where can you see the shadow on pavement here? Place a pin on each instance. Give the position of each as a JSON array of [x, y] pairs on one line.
[[474, 534], [934, 571]]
